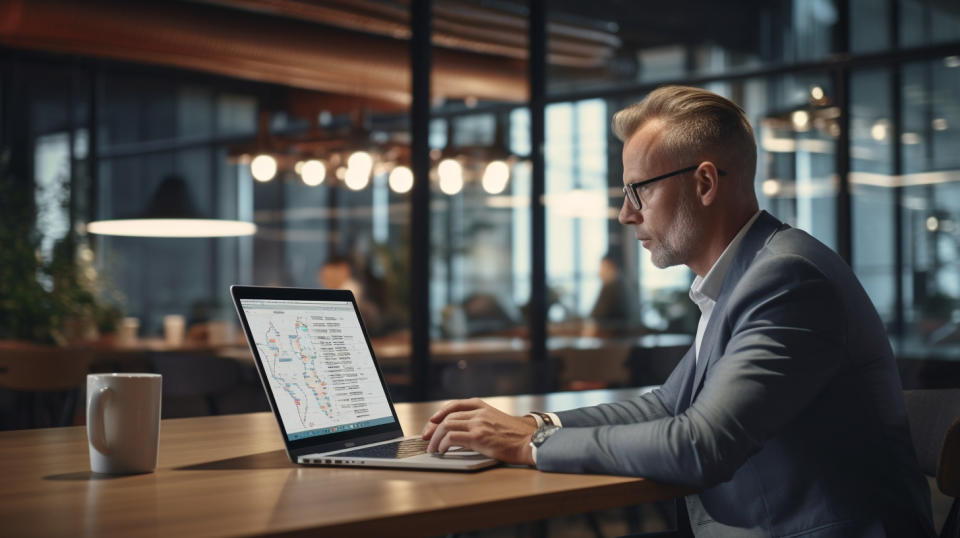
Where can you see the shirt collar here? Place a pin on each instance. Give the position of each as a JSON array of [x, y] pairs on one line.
[[709, 286]]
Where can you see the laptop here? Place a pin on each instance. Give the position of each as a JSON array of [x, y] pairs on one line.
[[324, 385]]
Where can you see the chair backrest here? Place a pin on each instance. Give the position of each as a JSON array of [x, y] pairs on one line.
[[934, 416], [41, 368], [948, 473]]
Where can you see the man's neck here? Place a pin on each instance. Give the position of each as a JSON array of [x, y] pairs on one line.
[[717, 236]]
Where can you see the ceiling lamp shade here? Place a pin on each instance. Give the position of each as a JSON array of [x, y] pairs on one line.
[[171, 213]]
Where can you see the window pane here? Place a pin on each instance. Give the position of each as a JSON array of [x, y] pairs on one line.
[[931, 202], [480, 255], [927, 23], [873, 194], [795, 122], [869, 23], [598, 45]]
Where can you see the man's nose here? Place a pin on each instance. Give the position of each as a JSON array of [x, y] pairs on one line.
[[628, 215]]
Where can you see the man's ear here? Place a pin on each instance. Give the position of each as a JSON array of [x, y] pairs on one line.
[[708, 183]]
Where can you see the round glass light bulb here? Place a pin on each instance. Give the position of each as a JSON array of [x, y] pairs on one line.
[[360, 160], [816, 92], [800, 119], [400, 179], [451, 176], [495, 177], [356, 179], [313, 172], [263, 167]]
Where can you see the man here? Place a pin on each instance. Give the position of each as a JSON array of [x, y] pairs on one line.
[[787, 412]]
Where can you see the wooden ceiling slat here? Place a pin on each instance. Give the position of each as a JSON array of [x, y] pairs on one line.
[[250, 46]]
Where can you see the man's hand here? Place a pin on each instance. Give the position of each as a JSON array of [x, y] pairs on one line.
[[475, 425]]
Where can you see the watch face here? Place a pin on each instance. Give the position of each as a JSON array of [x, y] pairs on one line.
[[542, 434]]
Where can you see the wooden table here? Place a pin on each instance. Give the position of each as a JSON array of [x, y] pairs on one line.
[[228, 476]]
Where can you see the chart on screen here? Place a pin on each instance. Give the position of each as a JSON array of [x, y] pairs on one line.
[[319, 366]]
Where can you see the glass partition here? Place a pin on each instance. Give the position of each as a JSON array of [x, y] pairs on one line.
[[927, 23], [327, 209], [153, 130], [479, 255], [872, 188], [931, 205]]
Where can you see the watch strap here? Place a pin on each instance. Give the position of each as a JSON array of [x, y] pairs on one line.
[[544, 418]]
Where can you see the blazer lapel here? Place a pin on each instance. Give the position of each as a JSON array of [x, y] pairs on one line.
[[712, 345]]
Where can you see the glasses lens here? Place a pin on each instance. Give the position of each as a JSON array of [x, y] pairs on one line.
[[632, 196]]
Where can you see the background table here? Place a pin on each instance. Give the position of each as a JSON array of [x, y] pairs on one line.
[[228, 476]]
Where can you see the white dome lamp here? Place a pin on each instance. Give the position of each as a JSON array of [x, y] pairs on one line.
[[171, 213]]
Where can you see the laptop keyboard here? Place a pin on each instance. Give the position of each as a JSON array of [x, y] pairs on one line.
[[400, 449]]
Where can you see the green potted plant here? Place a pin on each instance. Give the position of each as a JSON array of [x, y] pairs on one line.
[[42, 301]]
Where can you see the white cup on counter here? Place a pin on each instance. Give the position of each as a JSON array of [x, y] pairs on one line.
[[127, 332], [174, 330], [123, 422]]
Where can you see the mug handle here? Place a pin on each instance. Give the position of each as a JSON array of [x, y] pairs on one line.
[[95, 417]]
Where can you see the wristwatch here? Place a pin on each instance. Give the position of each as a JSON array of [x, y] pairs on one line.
[[542, 434], [540, 418]]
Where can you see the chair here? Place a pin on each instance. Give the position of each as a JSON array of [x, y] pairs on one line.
[[934, 416], [43, 383]]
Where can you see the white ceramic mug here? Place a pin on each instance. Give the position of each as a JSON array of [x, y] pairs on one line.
[[123, 422]]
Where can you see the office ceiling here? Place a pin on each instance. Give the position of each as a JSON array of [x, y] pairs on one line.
[[357, 47]]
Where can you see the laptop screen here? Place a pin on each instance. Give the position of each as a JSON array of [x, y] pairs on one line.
[[318, 365]]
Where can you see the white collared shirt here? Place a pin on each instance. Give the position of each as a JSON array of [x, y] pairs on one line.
[[705, 291]]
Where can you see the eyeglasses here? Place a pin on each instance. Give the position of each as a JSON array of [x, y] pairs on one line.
[[632, 190]]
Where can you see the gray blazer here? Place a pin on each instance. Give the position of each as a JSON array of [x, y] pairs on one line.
[[792, 423]]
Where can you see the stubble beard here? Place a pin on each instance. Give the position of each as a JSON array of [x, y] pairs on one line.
[[678, 244]]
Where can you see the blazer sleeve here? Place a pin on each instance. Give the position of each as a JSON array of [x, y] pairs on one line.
[[658, 403], [785, 328]]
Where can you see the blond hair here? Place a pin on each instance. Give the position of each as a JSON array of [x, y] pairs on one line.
[[695, 121]]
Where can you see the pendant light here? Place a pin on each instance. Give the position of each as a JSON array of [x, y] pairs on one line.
[[171, 213]]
